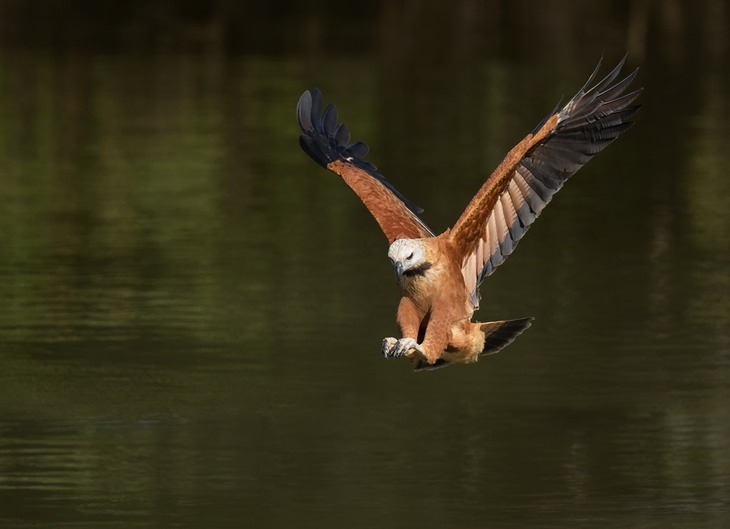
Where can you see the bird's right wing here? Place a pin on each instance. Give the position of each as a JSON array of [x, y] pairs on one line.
[[533, 171], [327, 143]]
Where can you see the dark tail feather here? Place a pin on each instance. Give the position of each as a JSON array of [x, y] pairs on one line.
[[422, 365], [497, 336]]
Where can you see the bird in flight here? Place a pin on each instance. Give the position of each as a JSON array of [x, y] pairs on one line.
[[439, 275]]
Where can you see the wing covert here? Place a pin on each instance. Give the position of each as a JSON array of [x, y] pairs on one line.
[[328, 144]]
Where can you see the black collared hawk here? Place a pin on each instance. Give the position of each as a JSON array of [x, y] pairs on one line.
[[439, 275]]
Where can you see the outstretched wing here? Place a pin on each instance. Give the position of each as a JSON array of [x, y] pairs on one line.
[[518, 190], [327, 143]]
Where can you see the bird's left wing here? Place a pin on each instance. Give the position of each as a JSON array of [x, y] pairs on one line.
[[533, 171], [327, 143]]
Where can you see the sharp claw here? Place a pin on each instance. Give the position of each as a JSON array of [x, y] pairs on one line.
[[404, 345], [393, 348], [388, 346]]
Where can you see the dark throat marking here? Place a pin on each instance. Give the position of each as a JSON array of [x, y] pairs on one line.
[[418, 271]]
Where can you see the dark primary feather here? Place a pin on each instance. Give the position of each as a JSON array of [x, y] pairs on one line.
[[324, 141]]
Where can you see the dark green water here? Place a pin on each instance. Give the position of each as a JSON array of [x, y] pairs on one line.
[[192, 309]]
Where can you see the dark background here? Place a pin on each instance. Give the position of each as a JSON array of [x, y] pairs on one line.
[[192, 309]]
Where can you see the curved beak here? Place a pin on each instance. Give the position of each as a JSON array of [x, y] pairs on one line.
[[398, 269]]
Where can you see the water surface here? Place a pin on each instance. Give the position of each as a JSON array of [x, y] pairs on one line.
[[193, 309]]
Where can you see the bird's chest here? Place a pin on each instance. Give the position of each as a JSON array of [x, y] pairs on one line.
[[439, 285], [422, 289]]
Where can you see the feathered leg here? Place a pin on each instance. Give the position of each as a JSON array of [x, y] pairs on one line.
[[496, 336], [409, 321]]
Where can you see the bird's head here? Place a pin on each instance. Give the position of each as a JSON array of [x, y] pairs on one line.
[[408, 257]]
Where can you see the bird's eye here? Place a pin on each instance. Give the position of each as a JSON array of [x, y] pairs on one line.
[[409, 257]]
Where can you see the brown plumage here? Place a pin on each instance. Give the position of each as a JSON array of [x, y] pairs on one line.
[[439, 276]]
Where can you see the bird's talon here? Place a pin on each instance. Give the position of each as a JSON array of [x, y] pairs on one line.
[[387, 347], [393, 348]]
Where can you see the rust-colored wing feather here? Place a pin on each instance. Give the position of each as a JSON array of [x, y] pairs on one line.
[[327, 143], [518, 190]]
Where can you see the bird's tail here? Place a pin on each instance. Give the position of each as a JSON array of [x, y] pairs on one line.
[[497, 336]]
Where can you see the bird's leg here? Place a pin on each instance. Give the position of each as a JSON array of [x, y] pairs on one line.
[[435, 340], [437, 335], [394, 348], [409, 320]]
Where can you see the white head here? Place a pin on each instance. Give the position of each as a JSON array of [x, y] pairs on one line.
[[407, 255]]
